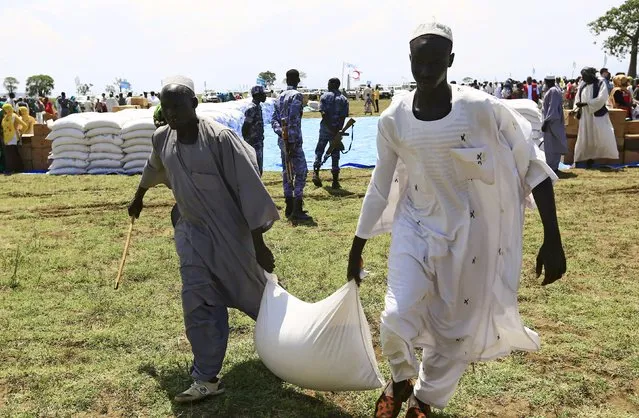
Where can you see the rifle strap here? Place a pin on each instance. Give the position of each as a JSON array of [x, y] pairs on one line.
[[352, 138]]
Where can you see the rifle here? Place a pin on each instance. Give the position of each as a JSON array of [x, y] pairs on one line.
[[287, 160], [336, 142]]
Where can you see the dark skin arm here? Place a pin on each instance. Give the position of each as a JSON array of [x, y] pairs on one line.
[[550, 258]]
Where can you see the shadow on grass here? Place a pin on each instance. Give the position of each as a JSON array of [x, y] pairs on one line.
[[338, 192], [566, 175], [251, 391]]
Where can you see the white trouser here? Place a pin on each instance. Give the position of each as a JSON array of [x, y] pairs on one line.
[[404, 319]]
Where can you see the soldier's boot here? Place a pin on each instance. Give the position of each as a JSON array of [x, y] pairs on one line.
[[299, 214], [289, 207], [336, 184], [317, 181]]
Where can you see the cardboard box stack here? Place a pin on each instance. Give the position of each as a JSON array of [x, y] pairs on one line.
[[140, 101], [618, 119], [572, 128], [40, 148], [631, 142]]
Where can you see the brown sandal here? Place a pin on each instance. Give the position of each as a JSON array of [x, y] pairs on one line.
[[417, 409], [389, 403]]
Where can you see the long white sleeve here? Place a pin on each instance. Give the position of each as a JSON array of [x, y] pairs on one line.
[[376, 198]]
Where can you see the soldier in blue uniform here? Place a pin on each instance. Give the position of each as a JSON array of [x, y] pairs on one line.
[[288, 108], [334, 109], [253, 127]]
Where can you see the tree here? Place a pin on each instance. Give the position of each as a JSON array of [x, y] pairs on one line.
[[40, 85], [623, 21], [268, 76], [83, 89], [11, 84], [110, 89]]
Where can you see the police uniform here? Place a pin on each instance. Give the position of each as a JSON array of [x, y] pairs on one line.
[[254, 127], [334, 107], [289, 108]]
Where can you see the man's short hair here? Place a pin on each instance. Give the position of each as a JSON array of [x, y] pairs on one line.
[[335, 81], [603, 70], [293, 73]]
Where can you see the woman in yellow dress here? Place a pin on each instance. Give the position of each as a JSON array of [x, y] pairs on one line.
[[28, 119], [11, 124]]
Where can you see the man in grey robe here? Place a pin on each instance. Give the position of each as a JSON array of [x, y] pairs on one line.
[[224, 209], [553, 127]]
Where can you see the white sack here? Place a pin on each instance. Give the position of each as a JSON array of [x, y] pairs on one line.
[[67, 170], [138, 134], [136, 156], [134, 170], [137, 141], [105, 164], [73, 155], [57, 149], [138, 125], [65, 133], [138, 148], [134, 164], [68, 163], [324, 346], [106, 139], [106, 120], [109, 148], [103, 131], [69, 141], [74, 121], [104, 156]]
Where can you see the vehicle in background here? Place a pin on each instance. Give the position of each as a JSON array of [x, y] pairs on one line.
[[385, 93], [210, 97]]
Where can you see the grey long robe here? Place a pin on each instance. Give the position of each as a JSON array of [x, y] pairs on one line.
[[555, 141], [221, 199]]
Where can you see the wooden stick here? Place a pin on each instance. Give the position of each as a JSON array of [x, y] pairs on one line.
[[124, 253]]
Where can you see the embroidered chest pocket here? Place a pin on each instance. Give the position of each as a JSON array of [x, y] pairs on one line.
[[473, 164], [204, 181]]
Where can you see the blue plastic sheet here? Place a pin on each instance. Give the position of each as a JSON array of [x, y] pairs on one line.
[[363, 154]]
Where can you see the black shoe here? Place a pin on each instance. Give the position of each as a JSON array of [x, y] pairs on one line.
[[336, 184], [316, 178], [298, 213], [289, 207]]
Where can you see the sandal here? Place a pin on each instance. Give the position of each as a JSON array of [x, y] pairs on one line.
[[417, 409], [389, 403]]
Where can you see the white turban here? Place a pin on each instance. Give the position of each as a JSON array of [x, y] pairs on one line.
[[433, 28], [180, 81]]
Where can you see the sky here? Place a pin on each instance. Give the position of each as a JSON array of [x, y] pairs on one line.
[[226, 43]]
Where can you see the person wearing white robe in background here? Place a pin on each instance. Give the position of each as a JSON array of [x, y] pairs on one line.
[[596, 136]]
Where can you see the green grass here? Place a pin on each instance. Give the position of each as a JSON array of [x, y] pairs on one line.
[[356, 109], [72, 346]]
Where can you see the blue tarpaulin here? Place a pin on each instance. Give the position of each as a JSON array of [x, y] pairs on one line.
[[363, 154]]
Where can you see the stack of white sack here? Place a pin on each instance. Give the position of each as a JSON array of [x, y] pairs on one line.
[[137, 135], [105, 152], [529, 110], [70, 149], [231, 114]]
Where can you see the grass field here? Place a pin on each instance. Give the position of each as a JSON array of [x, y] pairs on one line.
[[356, 109], [72, 346]]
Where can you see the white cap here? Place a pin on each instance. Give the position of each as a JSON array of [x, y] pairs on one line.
[[180, 81], [433, 28]]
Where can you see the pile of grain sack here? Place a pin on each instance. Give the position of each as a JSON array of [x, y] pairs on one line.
[[120, 143]]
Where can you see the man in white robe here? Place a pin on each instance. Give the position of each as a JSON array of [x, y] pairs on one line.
[[596, 136], [454, 169]]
